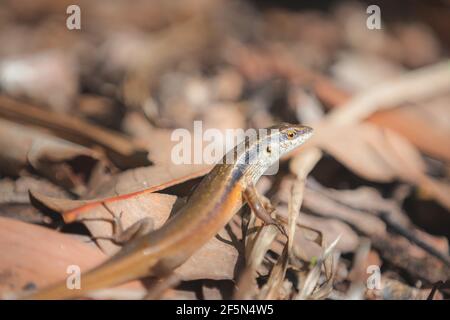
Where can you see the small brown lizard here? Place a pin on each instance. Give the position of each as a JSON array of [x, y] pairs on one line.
[[216, 199]]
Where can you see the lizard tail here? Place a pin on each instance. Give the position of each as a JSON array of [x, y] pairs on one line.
[[109, 274]]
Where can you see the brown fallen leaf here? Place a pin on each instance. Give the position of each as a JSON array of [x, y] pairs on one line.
[[414, 122], [157, 206], [15, 200], [34, 256], [48, 77], [124, 152], [16, 191], [143, 179], [215, 260], [161, 143], [359, 71], [66, 164], [380, 155], [425, 125]]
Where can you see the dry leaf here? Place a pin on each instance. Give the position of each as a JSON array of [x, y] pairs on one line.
[[35, 256], [66, 164], [145, 205], [157, 207], [425, 125], [143, 179], [48, 78], [380, 155], [215, 260], [122, 151]]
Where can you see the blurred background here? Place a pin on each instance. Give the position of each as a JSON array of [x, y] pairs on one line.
[[87, 114]]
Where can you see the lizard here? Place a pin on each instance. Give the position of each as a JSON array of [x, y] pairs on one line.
[[220, 194]]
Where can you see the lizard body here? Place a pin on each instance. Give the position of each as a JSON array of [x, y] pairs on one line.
[[214, 202]]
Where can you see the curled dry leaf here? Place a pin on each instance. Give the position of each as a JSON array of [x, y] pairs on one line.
[[164, 144], [382, 156], [411, 121], [15, 200], [425, 125], [66, 164], [362, 149]]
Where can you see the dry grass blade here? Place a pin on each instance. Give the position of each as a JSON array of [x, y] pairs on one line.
[[273, 285], [259, 246], [311, 282], [302, 166], [358, 273]]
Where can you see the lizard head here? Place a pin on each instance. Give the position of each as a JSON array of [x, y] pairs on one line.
[[266, 148], [291, 136]]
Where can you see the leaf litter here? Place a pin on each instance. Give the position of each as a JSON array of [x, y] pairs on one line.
[[86, 140]]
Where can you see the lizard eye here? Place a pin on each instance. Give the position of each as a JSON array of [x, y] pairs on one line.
[[291, 134]]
